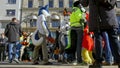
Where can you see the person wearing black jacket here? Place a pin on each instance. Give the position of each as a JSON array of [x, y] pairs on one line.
[[103, 19], [13, 33]]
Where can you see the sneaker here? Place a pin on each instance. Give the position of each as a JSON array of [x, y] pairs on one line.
[[16, 60], [106, 63], [10, 61]]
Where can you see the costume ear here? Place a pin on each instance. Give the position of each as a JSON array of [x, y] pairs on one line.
[[47, 8], [40, 10]]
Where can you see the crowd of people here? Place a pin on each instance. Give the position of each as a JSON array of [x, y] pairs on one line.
[[82, 38]]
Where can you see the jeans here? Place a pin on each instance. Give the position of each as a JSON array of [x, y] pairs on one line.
[[12, 53], [107, 49], [114, 44]]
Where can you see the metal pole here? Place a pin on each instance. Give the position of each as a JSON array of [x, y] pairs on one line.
[[21, 11]]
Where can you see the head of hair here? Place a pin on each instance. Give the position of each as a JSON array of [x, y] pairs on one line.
[[76, 3], [13, 19]]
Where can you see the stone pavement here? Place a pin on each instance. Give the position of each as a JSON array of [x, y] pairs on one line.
[[55, 65], [48, 66]]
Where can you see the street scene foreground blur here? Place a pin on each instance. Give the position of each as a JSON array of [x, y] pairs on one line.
[[64, 33]]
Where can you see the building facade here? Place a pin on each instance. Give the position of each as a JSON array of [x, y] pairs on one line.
[[56, 7], [8, 10]]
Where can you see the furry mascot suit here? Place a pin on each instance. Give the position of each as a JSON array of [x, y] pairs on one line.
[[39, 36]]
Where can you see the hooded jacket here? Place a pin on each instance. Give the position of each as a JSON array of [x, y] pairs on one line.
[[13, 32]]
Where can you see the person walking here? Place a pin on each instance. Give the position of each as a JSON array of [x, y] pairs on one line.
[[103, 19], [13, 32], [106, 50], [43, 34]]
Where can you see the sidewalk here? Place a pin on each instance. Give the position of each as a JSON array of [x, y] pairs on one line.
[[48, 66]]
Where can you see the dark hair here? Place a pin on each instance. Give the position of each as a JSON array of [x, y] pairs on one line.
[[76, 3], [13, 19]]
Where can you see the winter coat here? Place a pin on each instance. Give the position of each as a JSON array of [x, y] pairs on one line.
[[13, 32], [102, 14]]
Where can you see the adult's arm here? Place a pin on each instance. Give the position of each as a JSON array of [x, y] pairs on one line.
[[6, 30]]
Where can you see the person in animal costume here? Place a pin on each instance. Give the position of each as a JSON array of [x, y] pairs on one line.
[[40, 35], [87, 44]]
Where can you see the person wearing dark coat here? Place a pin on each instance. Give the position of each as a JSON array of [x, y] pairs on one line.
[[13, 33], [103, 18], [3, 47]]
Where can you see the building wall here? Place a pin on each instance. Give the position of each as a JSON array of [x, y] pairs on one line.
[[36, 3], [4, 6], [26, 11], [4, 18]]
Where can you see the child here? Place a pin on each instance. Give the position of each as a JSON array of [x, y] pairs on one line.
[[3, 47], [87, 46]]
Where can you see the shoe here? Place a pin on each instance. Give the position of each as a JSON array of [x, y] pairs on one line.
[[45, 63], [83, 63], [35, 63], [10, 61], [106, 63], [16, 60], [48, 63], [96, 65], [116, 64]]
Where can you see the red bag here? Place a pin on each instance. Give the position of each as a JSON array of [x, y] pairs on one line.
[[51, 40]]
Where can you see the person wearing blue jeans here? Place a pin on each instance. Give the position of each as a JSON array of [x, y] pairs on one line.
[[103, 19], [114, 45], [12, 53], [107, 50], [13, 32]]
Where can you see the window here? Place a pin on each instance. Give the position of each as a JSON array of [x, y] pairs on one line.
[[118, 18], [60, 3], [118, 4], [11, 1], [55, 24], [70, 3], [10, 12], [30, 3], [51, 3]]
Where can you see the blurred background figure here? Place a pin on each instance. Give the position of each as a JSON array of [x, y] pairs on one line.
[[3, 47]]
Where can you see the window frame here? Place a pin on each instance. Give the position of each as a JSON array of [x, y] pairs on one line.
[[10, 12], [51, 3], [30, 3], [70, 3], [12, 1], [55, 23], [118, 4], [61, 3]]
